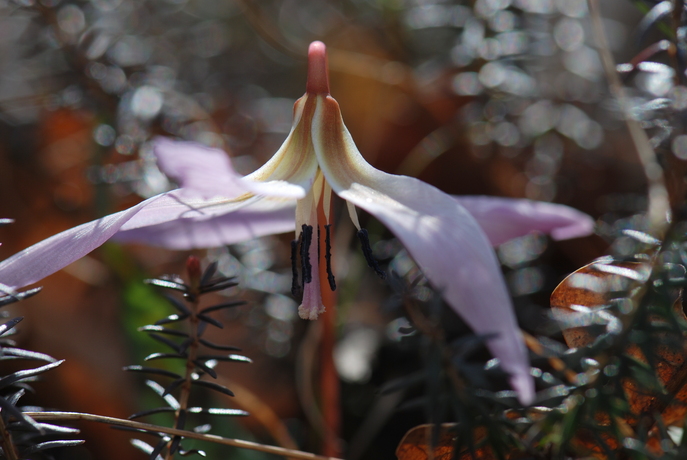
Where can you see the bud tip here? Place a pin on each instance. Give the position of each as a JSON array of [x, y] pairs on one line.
[[318, 73], [193, 270]]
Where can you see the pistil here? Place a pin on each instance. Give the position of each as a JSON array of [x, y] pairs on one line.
[[312, 305], [306, 241]]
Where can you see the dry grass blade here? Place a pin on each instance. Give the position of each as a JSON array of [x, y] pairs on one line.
[[174, 432]]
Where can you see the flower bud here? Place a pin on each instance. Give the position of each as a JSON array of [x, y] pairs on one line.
[[193, 271]]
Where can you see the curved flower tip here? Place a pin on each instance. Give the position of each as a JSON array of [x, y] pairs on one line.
[[318, 72], [199, 170], [523, 384], [444, 239], [503, 219]]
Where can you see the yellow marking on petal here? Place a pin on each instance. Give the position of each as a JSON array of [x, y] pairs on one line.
[[306, 211], [295, 160], [339, 158], [317, 187]]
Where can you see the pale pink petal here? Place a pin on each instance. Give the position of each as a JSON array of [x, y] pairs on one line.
[[52, 254], [503, 219], [439, 233], [178, 205], [206, 172], [224, 225], [182, 218], [276, 188]]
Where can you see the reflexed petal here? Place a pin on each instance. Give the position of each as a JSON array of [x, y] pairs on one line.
[[503, 219], [441, 235], [184, 218], [225, 225], [205, 172], [50, 255], [295, 161]]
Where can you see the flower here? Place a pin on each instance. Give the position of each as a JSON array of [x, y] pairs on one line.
[[215, 206]]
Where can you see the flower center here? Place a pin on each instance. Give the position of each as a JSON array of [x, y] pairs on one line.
[[301, 248]]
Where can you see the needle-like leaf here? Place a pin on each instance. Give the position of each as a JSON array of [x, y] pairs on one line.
[[163, 330], [215, 346], [27, 374], [167, 284], [152, 370], [213, 386], [223, 306]]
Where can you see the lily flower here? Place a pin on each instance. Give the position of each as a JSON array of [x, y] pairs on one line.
[[215, 206]]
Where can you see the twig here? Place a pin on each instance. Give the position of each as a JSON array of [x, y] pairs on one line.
[[658, 194], [676, 18], [6, 442], [436, 334], [268, 31], [175, 432], [260, 411], [659, 205]]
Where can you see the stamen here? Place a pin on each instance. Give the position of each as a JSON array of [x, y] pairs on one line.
[[318, 242], [295, 285], [354, 215], [367, 252], [328, 258], [305, 253], [327, 200]]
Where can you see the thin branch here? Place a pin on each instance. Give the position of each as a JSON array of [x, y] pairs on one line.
[[260, 411], [676, 19], [659, 205], [174, 432], [436, 334], [268, 31], [658, 195], [6, 442]]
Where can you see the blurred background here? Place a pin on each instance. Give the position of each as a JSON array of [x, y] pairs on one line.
[[495, 97]]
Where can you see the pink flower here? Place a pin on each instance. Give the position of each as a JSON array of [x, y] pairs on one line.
[[450, 238]]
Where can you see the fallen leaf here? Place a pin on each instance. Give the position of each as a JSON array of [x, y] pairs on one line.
[[415, 445], [588, 288]]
